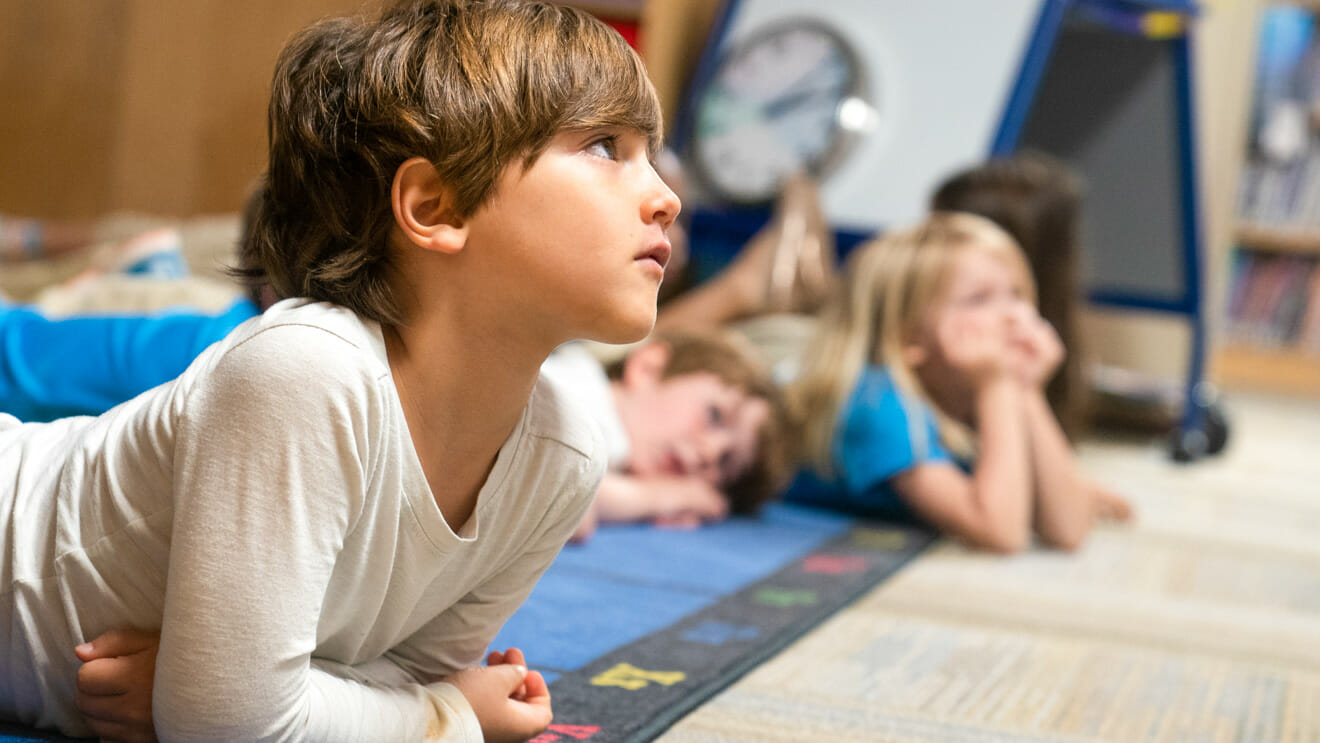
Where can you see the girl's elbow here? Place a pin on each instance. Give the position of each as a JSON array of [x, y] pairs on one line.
[[1005, 544], [1066, 537], [1002, 540]]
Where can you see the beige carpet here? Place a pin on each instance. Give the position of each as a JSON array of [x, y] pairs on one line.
[[1200, 622]]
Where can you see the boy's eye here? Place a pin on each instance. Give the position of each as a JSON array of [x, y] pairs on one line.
[[714, 415], [976, 298], [606, 147]]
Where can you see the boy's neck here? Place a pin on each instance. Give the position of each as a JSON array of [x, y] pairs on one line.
[[462, 393]]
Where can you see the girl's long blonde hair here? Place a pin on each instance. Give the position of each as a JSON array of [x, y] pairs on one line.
[[889, 289]]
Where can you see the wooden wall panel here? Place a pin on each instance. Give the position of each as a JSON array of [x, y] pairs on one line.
[[194, 118], [139, 105], [60, 66], [160, 106], [155, 154], [248, 34]]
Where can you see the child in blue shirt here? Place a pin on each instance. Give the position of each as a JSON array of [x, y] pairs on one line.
[[56, 367], [922, 393], [884, 433]]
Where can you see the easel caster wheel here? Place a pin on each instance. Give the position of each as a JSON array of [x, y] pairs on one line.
[[1189, 445], [1216, 429]]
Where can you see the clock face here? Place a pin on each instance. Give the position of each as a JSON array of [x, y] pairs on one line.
[[773, 107]]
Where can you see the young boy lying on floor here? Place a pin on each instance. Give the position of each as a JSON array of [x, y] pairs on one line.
[[330, 514], [694, 429], [693, 424]]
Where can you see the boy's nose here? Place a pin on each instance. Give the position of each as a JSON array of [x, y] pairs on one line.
[[1017, 313], [662, 204], [712, 452]]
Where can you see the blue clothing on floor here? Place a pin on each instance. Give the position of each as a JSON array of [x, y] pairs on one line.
[[882, 433], [85, 365]]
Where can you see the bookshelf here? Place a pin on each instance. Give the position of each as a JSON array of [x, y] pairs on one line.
[[1272, 312], [1278, 240], [1276, 370]]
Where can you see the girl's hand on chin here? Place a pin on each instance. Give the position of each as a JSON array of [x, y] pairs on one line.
[[974, 347], [1037, 351]]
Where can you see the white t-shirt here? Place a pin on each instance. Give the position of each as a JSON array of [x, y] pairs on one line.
[[584, 382], [268, 512]]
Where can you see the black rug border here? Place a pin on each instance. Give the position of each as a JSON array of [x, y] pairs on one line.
[[664, 710]]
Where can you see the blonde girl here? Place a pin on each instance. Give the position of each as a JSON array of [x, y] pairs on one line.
[[922, 392]]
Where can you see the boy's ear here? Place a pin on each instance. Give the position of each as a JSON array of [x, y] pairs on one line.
[[645, 366], [424, 208]]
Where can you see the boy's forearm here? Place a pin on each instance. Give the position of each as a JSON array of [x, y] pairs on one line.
[[1002, 478], [621, 498]]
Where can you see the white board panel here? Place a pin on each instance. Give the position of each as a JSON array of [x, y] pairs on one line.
[[942, 70]]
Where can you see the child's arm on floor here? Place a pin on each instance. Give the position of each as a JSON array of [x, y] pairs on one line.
[[624, 498], [1063, 511], [116, 679], [1065, 505], [992, 508]]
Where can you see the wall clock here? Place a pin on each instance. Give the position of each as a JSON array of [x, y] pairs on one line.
[[790, 97]]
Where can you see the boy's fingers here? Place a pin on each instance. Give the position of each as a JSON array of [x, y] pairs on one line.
[[537, 688], [103, 677], [531, 717], [117, 642], [495, 658], [515, 656], [95, 707], [714, 508], [510, 677], [679, 521], [703, 499]]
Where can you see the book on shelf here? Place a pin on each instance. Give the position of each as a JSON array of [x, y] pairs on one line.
[[1308, 334], [1272, 300], [1284, 320]]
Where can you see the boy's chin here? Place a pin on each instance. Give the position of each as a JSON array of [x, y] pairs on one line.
[[627, 330]]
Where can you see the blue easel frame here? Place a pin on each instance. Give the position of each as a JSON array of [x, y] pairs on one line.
[[1191, 303], [729, 227]]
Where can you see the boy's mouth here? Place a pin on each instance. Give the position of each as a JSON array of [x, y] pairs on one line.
[[673, 463], [658, 252]]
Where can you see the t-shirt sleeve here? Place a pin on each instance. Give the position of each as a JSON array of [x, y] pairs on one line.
[[272, 451], [884, 433]]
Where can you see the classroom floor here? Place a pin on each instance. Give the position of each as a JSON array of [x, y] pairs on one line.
[[1198, 622]]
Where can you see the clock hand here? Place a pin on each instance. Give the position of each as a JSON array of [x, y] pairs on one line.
[[781, 105]]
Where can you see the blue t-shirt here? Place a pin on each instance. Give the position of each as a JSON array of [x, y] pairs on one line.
[[882, 433], [85, 365]]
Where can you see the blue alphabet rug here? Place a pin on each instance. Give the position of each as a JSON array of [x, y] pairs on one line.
[[640, 625]]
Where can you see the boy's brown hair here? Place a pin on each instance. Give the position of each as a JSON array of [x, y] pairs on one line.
[[471, 85], [729, 359]]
